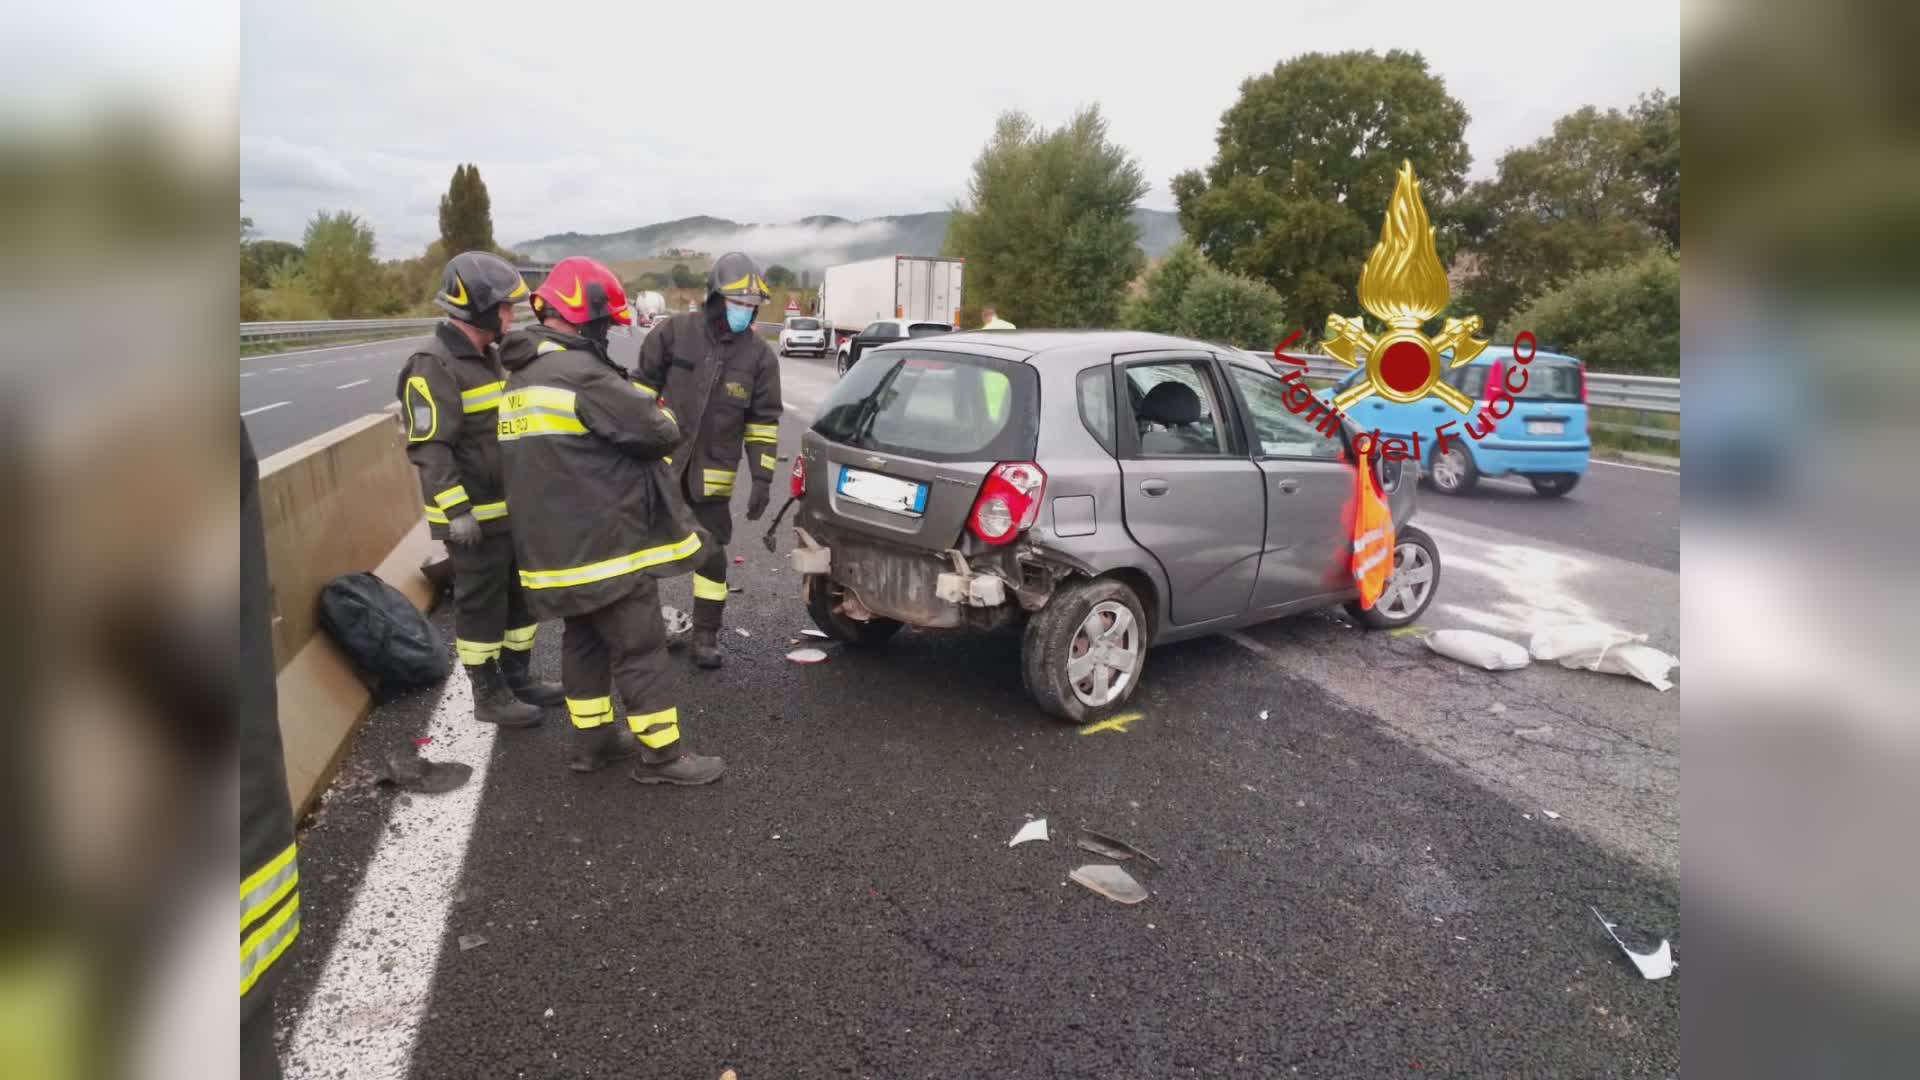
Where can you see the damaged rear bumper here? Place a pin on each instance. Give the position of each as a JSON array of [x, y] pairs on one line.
[[918, 588]]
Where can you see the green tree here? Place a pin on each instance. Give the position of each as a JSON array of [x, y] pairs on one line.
[[1186, 295], [1304, 167], [685, 278], [1046, 229], [1585, 197], [258, 258], [779, 276], [466, 213], [1623, 319], [340, 270], [653, 281], [1657, 160]]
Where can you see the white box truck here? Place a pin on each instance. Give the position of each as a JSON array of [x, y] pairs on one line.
[[912, 288]]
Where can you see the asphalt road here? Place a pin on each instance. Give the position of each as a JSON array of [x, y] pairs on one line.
[[1359, 874]]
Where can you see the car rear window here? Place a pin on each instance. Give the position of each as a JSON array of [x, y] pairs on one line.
[[1547, 380], [937, 406], [925, 329], [803, 324]]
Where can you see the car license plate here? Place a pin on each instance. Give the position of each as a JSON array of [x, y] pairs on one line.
[[885, 492], [1546, 427]]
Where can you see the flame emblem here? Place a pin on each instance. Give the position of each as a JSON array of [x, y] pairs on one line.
[[1403, 285]]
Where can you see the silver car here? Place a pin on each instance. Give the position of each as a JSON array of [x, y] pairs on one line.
[[1112, 490]]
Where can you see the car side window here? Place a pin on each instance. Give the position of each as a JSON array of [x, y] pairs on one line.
[[1277, 431], [1472, 380], [1095, 386], [1175, 410], [871, 330]]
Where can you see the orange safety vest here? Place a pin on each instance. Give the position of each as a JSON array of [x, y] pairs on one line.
[[1372, 536]]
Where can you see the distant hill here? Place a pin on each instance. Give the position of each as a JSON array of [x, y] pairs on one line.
[[810, 243]]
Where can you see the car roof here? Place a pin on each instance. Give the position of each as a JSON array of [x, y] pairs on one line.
[[1034, 345]]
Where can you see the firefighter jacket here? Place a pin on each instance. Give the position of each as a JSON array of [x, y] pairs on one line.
[[725, 387], [584, 452], [449, 393], [269, 865]]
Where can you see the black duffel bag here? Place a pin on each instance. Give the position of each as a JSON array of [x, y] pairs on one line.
[[392, 645]]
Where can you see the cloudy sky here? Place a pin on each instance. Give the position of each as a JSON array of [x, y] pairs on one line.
[[593, 117]]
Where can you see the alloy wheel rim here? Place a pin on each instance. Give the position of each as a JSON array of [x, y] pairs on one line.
[[1104, 656]]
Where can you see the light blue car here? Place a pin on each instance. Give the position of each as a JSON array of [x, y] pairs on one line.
[[1544, 437]]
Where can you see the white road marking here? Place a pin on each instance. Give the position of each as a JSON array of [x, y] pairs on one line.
[[248, 374], [1642, 468], [264, 408], [278, 370], [383, 342], [365, 1011], [351, 385]]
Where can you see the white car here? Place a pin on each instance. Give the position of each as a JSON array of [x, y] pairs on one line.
[[803, 333]]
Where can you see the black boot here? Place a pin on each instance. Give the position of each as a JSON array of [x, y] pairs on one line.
[[675, 765], [518, 666], [595, 748], [493, 700], [706, 647]]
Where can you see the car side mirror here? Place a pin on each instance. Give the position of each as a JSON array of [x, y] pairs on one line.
[[1389, 472]]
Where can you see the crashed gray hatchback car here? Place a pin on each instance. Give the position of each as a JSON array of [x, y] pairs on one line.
[[1114, 490]]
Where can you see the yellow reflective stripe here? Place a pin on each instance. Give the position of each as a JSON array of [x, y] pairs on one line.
[[264, 887], [610, 568], [739, 283], [489, 511], [763, 432], [657, 729], [455, 494], [474, 653], [481, 398], [670, 414], [549, 346], [259, 951], [539, 410], [435, 515], [417, 384], [768, 462], [647, 390], [590, 712], [520, 639], [705, 588], [668, 459]]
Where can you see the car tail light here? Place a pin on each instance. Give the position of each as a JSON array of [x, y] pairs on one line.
[[1583, 382], [1009, 501], [797, 481], [1494, 385]]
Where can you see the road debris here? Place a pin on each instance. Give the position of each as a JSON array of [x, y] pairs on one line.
[[1551, 815], [1111, 882], [1657, 964], [472, 941], [679, 626], [1118, 850], [1497, 708], [1606, 649], [1479, 649], [807, 656], [736, 589], [549, 1013], [742, 631], [813, 633], [738, 559], [1263, 714], [1032, 830], [408, 771]]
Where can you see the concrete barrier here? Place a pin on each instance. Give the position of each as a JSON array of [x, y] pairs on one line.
[[344, 501]]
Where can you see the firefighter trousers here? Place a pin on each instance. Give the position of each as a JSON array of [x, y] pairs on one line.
[[490, 607], [623, 644], [710, 575]]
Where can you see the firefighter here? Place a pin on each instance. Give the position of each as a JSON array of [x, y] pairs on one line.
[[450, 391], [724, 381], [269, 863], [596, 521]]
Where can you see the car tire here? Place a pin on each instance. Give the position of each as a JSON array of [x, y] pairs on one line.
[[841, 365], [1554, 485], [1061, 629], [874, 631], [1412, 547], [1454, 473]]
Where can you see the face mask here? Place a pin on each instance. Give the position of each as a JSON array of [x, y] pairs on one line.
[[739, 318]]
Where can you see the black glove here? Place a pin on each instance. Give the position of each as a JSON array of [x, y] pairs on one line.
[[463, 530], [757, 502]]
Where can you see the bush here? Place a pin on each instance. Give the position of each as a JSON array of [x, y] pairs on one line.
[[1186, 295], [1625, 319]]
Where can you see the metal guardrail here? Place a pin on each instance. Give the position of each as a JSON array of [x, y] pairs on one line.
[[321, 329]]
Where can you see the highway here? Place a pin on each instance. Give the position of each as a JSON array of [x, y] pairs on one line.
[[1360, 874]]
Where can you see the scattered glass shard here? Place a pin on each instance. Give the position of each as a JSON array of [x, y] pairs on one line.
[[1112, 848], [812, 633], [471, 941], [408, 771], [1111, 882], [1032, 830], [807, 656], [1657, 964]]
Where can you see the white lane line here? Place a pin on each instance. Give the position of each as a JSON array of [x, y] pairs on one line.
[[351, 385], [1642, 468], [278, 370], [365, 1011], [383, 342], [248, 374], [264, 408]]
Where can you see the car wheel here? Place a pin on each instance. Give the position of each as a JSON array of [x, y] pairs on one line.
[[1454, 472], [842, 365], [1554, 485], [1083, 653], [1410, 585], [823, 595]]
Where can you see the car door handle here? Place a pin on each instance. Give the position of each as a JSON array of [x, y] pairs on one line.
[[1154, 487], [1439, 408], [1288, 487]]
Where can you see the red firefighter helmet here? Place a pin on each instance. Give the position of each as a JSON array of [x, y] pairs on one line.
[[580, 290]]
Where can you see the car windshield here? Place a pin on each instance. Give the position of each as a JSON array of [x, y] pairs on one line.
[[938, 406], [927, 329], [1548, 379], [803, 324]]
